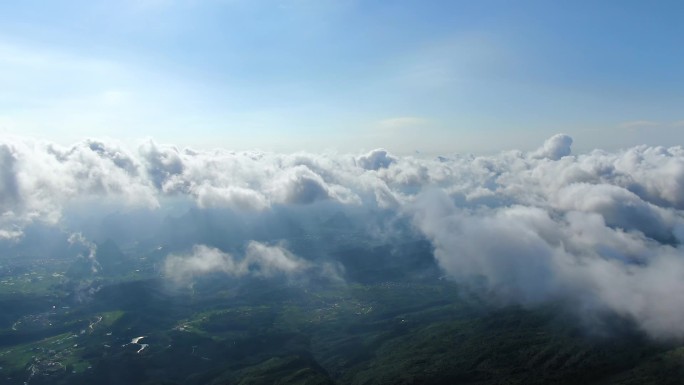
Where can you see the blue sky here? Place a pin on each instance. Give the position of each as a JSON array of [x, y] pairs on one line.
[[350, 75]]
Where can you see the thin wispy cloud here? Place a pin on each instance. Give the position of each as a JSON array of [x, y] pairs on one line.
[[403, 122], [639, 124]]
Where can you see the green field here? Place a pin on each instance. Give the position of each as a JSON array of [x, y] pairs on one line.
[[263, 332]]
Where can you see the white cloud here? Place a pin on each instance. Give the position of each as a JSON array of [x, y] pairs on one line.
[[638, 124], [402, 122], [39, 179], [237, 198], [555, 147], [600, 229], [529, 255], [260, 260], [79, 239], [376, 159]]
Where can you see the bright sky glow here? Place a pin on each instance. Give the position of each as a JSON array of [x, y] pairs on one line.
[[287, 75]]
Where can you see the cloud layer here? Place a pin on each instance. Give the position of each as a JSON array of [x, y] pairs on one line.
[[601, 230]]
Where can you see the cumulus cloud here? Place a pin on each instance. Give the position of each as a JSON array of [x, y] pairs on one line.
[[555, 147], [9, 189], [528, 255], [10, 234], [619, 207], [162, 164], [602, 230], [202, 260], [300, 185], [376, 159], [239, 198], [38, 179], [259, 260]]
